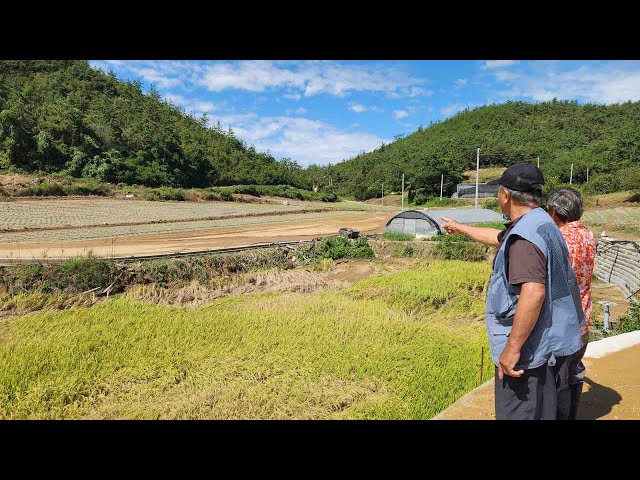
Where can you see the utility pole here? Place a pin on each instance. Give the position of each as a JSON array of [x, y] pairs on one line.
[[403, 191], [538, 162], [477, 175], [587, 175], [441, 183], [571, 175]]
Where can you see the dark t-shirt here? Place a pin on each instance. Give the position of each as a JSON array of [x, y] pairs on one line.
[[525, 261]]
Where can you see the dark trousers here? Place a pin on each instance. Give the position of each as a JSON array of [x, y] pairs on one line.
[[541, 393], [577, 372]]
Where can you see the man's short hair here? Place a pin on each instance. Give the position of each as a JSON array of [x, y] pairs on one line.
[[567, 204], [525, 198]]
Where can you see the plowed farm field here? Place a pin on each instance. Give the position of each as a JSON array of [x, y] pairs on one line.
[[55, 228]]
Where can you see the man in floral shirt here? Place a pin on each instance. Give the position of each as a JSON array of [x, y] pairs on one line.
[[565, 207]]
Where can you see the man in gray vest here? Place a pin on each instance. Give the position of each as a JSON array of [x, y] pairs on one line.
[[533, 309]]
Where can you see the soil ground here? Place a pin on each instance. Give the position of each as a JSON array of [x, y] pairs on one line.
[[610, 392], [365, 222]]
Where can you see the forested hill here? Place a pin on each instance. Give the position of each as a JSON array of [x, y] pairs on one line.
[[66, 117], [606, 139]]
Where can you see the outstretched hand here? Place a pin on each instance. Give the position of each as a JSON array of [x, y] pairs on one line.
[[451, 226]]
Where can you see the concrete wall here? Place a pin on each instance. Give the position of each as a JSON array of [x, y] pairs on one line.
[[618, 262]]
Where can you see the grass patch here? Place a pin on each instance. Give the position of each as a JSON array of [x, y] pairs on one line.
[[498, 225], [492, 204], [376, 351], [459, 247], [397, 236], [164, 194], [87, 187], [428, 202], [285, 191], [45, 189]]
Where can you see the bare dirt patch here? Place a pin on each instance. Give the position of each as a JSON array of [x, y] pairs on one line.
[[183, 241]]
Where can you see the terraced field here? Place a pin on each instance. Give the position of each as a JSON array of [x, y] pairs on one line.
[[619, 217], [86, 233], [20, 215]]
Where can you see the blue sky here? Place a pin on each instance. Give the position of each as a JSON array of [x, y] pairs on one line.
[[326, 111]]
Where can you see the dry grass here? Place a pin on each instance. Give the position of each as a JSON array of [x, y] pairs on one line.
[[196, 294], [24, 303]]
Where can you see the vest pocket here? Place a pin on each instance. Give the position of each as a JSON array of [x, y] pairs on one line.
[[501, 302]]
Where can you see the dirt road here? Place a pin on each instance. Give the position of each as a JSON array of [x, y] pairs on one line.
[[182, 241]]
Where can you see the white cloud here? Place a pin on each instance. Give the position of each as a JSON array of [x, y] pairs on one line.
[[454, 108], [358, 108], [461, 82], [297, 111], [608, 83], [191, 105], [310, 78], [398, 114], [292, 96], [304, 140], [505, 76], [162, 73], [490, 64]]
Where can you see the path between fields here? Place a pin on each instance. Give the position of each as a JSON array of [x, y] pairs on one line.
[[611, 391], [209, 238]]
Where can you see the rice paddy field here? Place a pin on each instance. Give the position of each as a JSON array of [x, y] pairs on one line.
[[620, 218], [20, 215], [396, 345], [84, 233]]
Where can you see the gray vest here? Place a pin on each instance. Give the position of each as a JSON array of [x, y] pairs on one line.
[[557, 331]]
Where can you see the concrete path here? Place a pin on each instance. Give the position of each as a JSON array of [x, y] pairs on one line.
[[611, 391]]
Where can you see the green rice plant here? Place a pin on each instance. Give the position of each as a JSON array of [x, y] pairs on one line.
[[458, 285], [341, 355]]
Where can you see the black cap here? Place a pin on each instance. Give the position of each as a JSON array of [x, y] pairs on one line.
[[523, 177]]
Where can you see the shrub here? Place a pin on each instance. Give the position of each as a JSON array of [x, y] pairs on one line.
[[340, 247], [603, 183], [436, 202], [46, 189], [631, 321], [82, 274], [459, 247], [165, 193], [397, 236], [492, 204], [360, 249], [88, 187], [285, 191]]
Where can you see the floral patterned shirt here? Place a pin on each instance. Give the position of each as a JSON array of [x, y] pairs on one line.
[[582, 249]]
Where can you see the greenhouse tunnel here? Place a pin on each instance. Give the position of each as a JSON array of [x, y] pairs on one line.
[[427, 223]]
